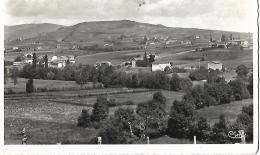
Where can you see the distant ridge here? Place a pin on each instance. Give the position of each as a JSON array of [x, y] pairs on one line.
[[94, 31], [28, 30]]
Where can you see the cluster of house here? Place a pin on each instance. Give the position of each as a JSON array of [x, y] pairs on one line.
[[155, 66], [54, 61], [239, 43]]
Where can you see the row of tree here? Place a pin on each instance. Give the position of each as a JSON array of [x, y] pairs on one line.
[[129, 126]]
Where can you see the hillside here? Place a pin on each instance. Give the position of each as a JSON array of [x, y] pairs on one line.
[[109, 30], [28, 30]]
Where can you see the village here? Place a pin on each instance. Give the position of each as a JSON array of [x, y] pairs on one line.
[[83, 89]]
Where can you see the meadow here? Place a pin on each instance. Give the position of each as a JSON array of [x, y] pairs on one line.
[[44, 85]]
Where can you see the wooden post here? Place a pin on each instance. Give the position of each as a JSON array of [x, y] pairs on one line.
[[194, 137], [130, 126], [148, 140], [99, 140]]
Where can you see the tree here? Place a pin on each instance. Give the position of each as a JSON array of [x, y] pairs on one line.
[[14, 75], [199, 74], [210, 38], [231, 37], [250, 85], [202, 130], [50, 75], [122, 117], [29, 86], [111, 134], [153, 115], [242, 71], [223, 38], [84, 120], [34, 60], [160, 99], [100, 109], [46, 61], [185, 84], [198, 95], [5, 75], [82, 76], [18, 58], [180, 115], [175, 82], [239, 89], [220, 130]]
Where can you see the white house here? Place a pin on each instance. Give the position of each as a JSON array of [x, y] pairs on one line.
[[215, 65], [160, 67]]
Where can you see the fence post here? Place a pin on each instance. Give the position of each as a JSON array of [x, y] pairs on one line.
[[99, 140], [194, 137]]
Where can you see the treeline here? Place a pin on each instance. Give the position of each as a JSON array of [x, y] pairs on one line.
[[128, 126]]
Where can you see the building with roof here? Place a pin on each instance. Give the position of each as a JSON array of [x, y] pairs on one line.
[[160, 67], [215, 65]]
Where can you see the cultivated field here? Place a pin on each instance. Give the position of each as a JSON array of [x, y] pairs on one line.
[[51, 117], [39, 85]]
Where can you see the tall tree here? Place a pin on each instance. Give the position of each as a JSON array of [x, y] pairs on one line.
[[210, 38], [46, 61], [14, 75], [29, 86], [34, 60], [100, 109]]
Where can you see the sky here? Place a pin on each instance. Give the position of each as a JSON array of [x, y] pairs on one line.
[[233, 15]]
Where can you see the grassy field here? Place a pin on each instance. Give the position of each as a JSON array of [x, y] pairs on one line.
[[51, 117], [230, 110], [231, 57], [42, 84]]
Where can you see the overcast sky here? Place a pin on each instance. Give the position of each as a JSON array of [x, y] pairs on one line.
[[234, 15]]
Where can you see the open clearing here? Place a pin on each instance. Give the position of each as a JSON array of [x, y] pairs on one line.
[[230, 110]]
